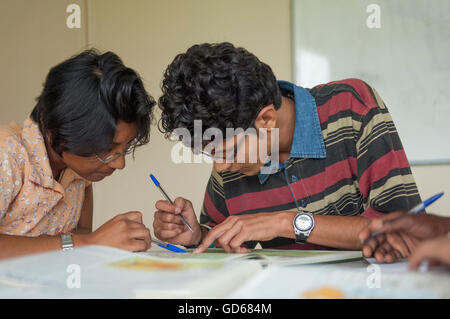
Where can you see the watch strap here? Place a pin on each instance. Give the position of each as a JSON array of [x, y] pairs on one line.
[[300, 238], [66, 241]]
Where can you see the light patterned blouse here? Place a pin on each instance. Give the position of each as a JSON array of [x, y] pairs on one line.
[[32, 202]]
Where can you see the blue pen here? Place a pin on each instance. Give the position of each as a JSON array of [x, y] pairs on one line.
[[415, 210], [170, 201], [169, 246], [421, 207]]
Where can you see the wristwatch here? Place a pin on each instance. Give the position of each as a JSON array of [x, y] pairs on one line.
[[66, 241], [303, 225]]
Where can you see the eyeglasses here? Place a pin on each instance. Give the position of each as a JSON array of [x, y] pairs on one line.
[[214, 157], [224, 153], [109, 158]]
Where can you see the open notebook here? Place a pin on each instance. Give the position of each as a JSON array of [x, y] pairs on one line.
[[103, 272], [267, 256]]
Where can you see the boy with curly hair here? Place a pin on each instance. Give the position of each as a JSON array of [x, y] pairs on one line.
[[340, 160]]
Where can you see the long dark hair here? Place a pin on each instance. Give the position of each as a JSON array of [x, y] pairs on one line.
[[84, 97]]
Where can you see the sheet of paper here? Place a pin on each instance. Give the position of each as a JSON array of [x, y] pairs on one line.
[[111, 273], [332, 281]]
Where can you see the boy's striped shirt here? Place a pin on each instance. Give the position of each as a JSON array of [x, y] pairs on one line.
[[365, 172]]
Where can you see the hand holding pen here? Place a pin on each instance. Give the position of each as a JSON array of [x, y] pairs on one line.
[[415, 210], [175, 221], [396, 235], [157, 184]]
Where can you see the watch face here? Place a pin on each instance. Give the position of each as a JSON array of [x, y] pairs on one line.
[[303, 222]]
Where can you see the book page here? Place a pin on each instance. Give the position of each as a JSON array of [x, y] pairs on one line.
[[268, 256], [340, 282], [111, 273]]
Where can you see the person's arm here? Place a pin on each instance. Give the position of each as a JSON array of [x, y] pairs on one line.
[[424, 226], [332, 231], [436, 251], [14, 246], [412, 228], [84, 225], [124, 231]]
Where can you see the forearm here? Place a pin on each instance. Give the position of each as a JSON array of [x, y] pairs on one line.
[[14, 246], [203, 232], [332, 231], [446, 221], [82, 231]]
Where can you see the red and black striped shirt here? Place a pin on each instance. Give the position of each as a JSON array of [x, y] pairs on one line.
[[365, 171]]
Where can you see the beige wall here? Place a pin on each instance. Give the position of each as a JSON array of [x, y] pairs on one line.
[[33, 38], [432, 179], [147, 35]]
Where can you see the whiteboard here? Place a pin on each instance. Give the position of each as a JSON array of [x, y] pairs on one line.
[[401, 48]]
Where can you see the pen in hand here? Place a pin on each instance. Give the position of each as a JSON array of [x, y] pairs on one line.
[[157, 184], [415, 210]]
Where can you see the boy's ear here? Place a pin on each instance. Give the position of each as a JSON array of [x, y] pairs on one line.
[[267, 117]]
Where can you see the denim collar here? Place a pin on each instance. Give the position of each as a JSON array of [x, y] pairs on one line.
[[307, 141]]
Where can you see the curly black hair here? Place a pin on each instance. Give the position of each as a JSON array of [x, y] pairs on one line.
[[222, 85], [83, 99]]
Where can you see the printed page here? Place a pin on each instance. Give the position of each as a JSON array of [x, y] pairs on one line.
[[303, 257], [336, 282], [269, 256], [111, 273]]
